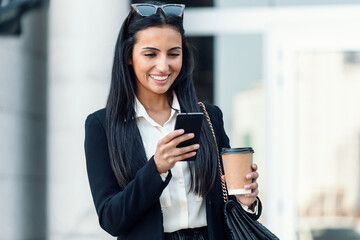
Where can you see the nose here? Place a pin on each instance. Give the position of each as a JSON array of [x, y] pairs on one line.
[[163, 64]]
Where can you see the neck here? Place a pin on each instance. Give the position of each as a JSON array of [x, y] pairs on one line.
[[154, 103], [156, 107]]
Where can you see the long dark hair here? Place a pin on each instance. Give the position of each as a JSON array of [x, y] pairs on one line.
[[121, 121]]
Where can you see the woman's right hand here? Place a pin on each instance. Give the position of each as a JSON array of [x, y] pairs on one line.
[[167, 154]]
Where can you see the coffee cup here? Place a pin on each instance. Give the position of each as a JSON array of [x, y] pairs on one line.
[[237, 164]]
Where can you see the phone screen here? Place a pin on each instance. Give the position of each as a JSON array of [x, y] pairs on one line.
[[191, 123]]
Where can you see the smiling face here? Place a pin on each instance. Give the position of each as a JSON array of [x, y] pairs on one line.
[[156, 59]]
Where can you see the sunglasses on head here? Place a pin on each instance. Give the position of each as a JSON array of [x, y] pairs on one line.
[[145, 9]]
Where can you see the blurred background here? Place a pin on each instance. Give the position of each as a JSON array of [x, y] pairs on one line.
[[286, 74]]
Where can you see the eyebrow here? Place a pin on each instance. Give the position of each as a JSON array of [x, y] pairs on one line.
[[155, 49]]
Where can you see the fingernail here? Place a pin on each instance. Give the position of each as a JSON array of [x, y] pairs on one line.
[[248, 176], [190, 134], [196, 146], [247, 187]]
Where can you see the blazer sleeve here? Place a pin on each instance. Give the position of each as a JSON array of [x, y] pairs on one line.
[[224, 139], [118, 209]]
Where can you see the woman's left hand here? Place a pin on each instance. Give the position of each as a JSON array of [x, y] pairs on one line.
[[249, 199]]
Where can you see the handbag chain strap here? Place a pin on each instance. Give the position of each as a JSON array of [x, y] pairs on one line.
[[223, 186]]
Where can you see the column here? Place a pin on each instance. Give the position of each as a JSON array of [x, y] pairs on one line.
[[82, 38], [23, 61]]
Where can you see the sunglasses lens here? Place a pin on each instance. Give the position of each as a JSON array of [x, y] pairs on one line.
[[176, 10], [146, 10]]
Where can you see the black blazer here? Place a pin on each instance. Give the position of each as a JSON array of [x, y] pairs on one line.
[[135, 212]]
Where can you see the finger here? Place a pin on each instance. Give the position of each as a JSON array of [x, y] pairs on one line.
[[169, 137], [184, 156], [176, 141], [252, 175], [181, 153], [183, 150], [251, 186], [254, 167], [254, 193], [223, 178], [172, 154]]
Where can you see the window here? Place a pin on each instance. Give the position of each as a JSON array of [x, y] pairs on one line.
[[203, 75]]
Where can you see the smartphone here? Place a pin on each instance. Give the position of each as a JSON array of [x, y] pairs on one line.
[[191, 123]]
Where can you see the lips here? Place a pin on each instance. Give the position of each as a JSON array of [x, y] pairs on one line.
[[160, 79]]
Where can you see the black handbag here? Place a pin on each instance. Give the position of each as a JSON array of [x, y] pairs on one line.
[[239, 225]]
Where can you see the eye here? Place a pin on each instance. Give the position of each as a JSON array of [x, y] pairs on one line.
[[174, 54], [150, 55]]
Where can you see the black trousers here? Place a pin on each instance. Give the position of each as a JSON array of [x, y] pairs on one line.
[[188, 234]]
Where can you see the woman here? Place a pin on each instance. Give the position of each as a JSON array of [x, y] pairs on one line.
[[140, 186]]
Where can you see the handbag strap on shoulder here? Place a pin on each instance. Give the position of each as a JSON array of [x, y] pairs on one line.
[[223, 186]]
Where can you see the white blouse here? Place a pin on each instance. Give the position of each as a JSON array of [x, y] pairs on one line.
[[181, 208]]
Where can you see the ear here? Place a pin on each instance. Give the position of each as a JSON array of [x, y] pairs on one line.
[[130, 61]]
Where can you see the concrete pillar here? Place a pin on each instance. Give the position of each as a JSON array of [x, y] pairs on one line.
[[23, 73], [82, 37]]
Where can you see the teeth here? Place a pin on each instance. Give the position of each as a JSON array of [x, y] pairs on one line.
[[161, 78]]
